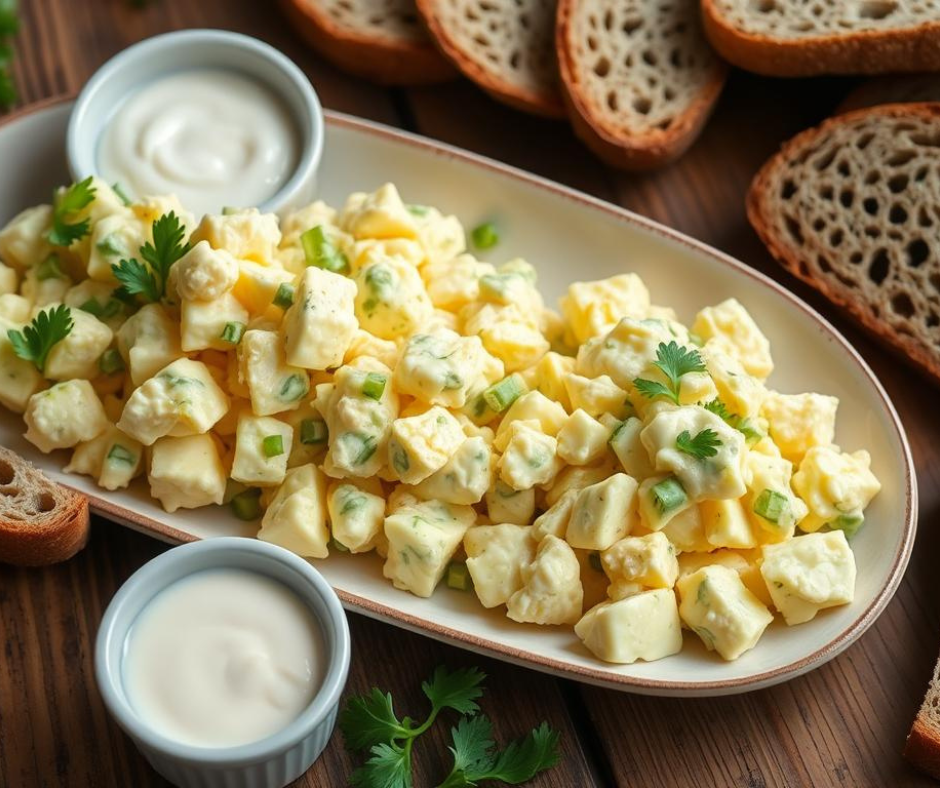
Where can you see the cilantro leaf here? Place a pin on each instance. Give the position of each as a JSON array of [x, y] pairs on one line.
[[702, 446], [36, 339], [136, 279], [369, 720], [65, 202], [388, 767], [674, 361], [475, 758], [167, 246], [745, 426], [150, 281], [457, 690]]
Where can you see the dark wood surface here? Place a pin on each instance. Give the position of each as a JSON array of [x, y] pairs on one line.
[[842, 725]]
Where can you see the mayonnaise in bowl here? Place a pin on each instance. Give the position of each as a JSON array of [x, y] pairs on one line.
[[212, 137]]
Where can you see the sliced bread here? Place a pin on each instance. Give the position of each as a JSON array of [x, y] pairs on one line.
[[40, 522], [381, 40], [790, 38], [853, 208], [507, 48], [639, 78], [923, 742]]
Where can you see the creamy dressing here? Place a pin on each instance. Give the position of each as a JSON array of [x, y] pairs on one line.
[[222, 658], [211, 137]]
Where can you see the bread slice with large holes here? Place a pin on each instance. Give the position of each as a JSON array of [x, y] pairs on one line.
[[507, 48], [639, 78], [381, 40], [798, 38], [40, 522], [893, 89], [923, 742], [853, 208]]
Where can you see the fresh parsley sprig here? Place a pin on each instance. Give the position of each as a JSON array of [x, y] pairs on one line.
[[35, 341], [673, 361], [9, 25], [66, 202], [704, 445], [149, 281], [476, 757], [369, 722], [745, 426]]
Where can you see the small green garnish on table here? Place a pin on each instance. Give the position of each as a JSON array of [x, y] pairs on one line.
[[484, 236], [673, 361], [369, 722], [36, 339]]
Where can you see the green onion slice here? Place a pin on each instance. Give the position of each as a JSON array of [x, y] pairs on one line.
[[313, 431], [111, 362], [501, 395], [284, 296], [458, 576], [484, 236], [668, 495], [272, 446], [321, 252], [233, 332], [374, 385], [771, 505], [247, 505]]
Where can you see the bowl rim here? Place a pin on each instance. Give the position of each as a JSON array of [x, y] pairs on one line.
[[80, 148], [501, 651], [155, 576]]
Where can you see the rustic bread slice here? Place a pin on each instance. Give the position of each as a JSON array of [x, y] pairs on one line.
[[892, 90], [639, 78], [507, 48], [853, 208], [381, 40], [923, 742], [40, 522], [790, 38]]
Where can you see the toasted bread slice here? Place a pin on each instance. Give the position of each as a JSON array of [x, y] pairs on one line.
[[381, 40], [40, 522], [923, 742], [853, 208], [910, 88], [793, 39], [640, 79], [507, 48]]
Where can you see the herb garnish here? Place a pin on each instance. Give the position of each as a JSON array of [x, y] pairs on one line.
[[150, 281], [705, 444], [65, 202], [674, 361], [36, 339]]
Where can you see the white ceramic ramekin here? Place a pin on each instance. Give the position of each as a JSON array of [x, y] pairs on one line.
[[170, 53], [272, 762]]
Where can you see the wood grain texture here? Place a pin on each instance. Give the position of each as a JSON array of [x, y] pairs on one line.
[[843, 725]]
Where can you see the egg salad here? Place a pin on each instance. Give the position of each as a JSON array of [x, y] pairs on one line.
[[357, 380]]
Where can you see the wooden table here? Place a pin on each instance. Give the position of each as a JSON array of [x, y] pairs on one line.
[[842, 725]]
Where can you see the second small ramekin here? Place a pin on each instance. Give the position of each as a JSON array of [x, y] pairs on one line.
[[272, 762]]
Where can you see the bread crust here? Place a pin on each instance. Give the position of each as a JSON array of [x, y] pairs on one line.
[[760, 214], [923, 748], [869, 52], [385, 61], [506, 92], [648, 151], [48, 532]]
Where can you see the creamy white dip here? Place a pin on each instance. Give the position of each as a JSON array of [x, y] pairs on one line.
[[222, 658], [211, 137]]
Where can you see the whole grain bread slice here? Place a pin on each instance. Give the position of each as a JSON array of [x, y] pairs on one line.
[[639, 79], [40, 522], [507, 48], [790, 38], [853, 208], [381, 40], [923, 742]]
